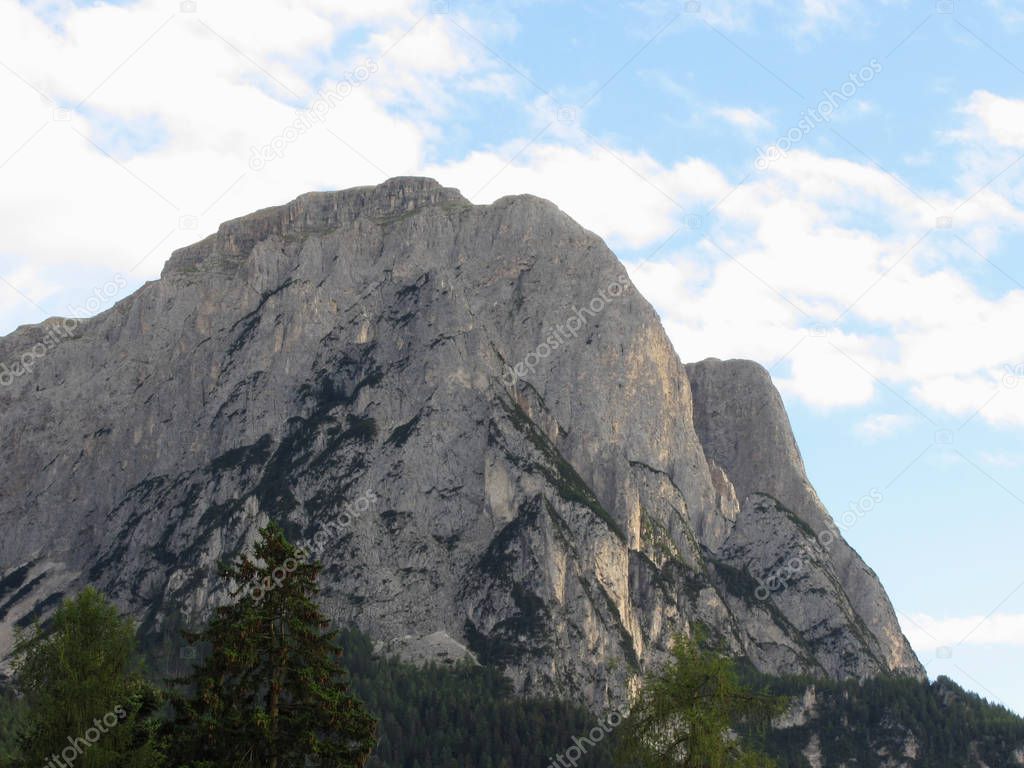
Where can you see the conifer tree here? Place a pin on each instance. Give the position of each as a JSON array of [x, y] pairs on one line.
[[685, 716], [87, 702], [270, 691]]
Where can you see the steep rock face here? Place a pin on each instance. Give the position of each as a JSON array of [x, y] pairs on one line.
[[749, 437], [479, 415]]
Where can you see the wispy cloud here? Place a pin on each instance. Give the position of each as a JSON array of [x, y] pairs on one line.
[[817, 13], [1007, 10], [1006, 460], [882, 425], [929, 633], [742, 117], [807, 17]]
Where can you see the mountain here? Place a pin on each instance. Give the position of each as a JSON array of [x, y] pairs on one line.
[[468, 413]]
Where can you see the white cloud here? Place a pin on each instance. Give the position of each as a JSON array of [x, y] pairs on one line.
[[882, 425], [806, 17], [668, 84], [817, 241], [28, 282], [627, 197], [993, 118], [1006, 10], [205, 88], [1003, 460], [928, 633], [818, 265], [742, 117], [919, 159], [820, 12]]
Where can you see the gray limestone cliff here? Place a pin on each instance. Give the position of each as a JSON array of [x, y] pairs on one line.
[[473, 418]]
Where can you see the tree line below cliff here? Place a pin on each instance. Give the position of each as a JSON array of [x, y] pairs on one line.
[[267, 681]]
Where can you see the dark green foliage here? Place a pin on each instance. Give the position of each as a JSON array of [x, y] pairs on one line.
[[461, 715], [950, 726], [685, 714], [84, 691], [13, 721], [271, 691]]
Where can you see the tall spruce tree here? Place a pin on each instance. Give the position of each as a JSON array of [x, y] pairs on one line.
[[87, 702], [270, 690], [686, 716]]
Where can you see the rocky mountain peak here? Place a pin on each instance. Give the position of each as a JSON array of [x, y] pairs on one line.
[[472, 414], [316, 212]]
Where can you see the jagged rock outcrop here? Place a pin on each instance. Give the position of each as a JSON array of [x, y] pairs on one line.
[[475, 410]]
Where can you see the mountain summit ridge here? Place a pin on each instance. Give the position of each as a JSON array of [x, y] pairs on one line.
[[545, 483]]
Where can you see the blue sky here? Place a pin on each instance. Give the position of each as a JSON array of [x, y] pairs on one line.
[[872, 260]]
